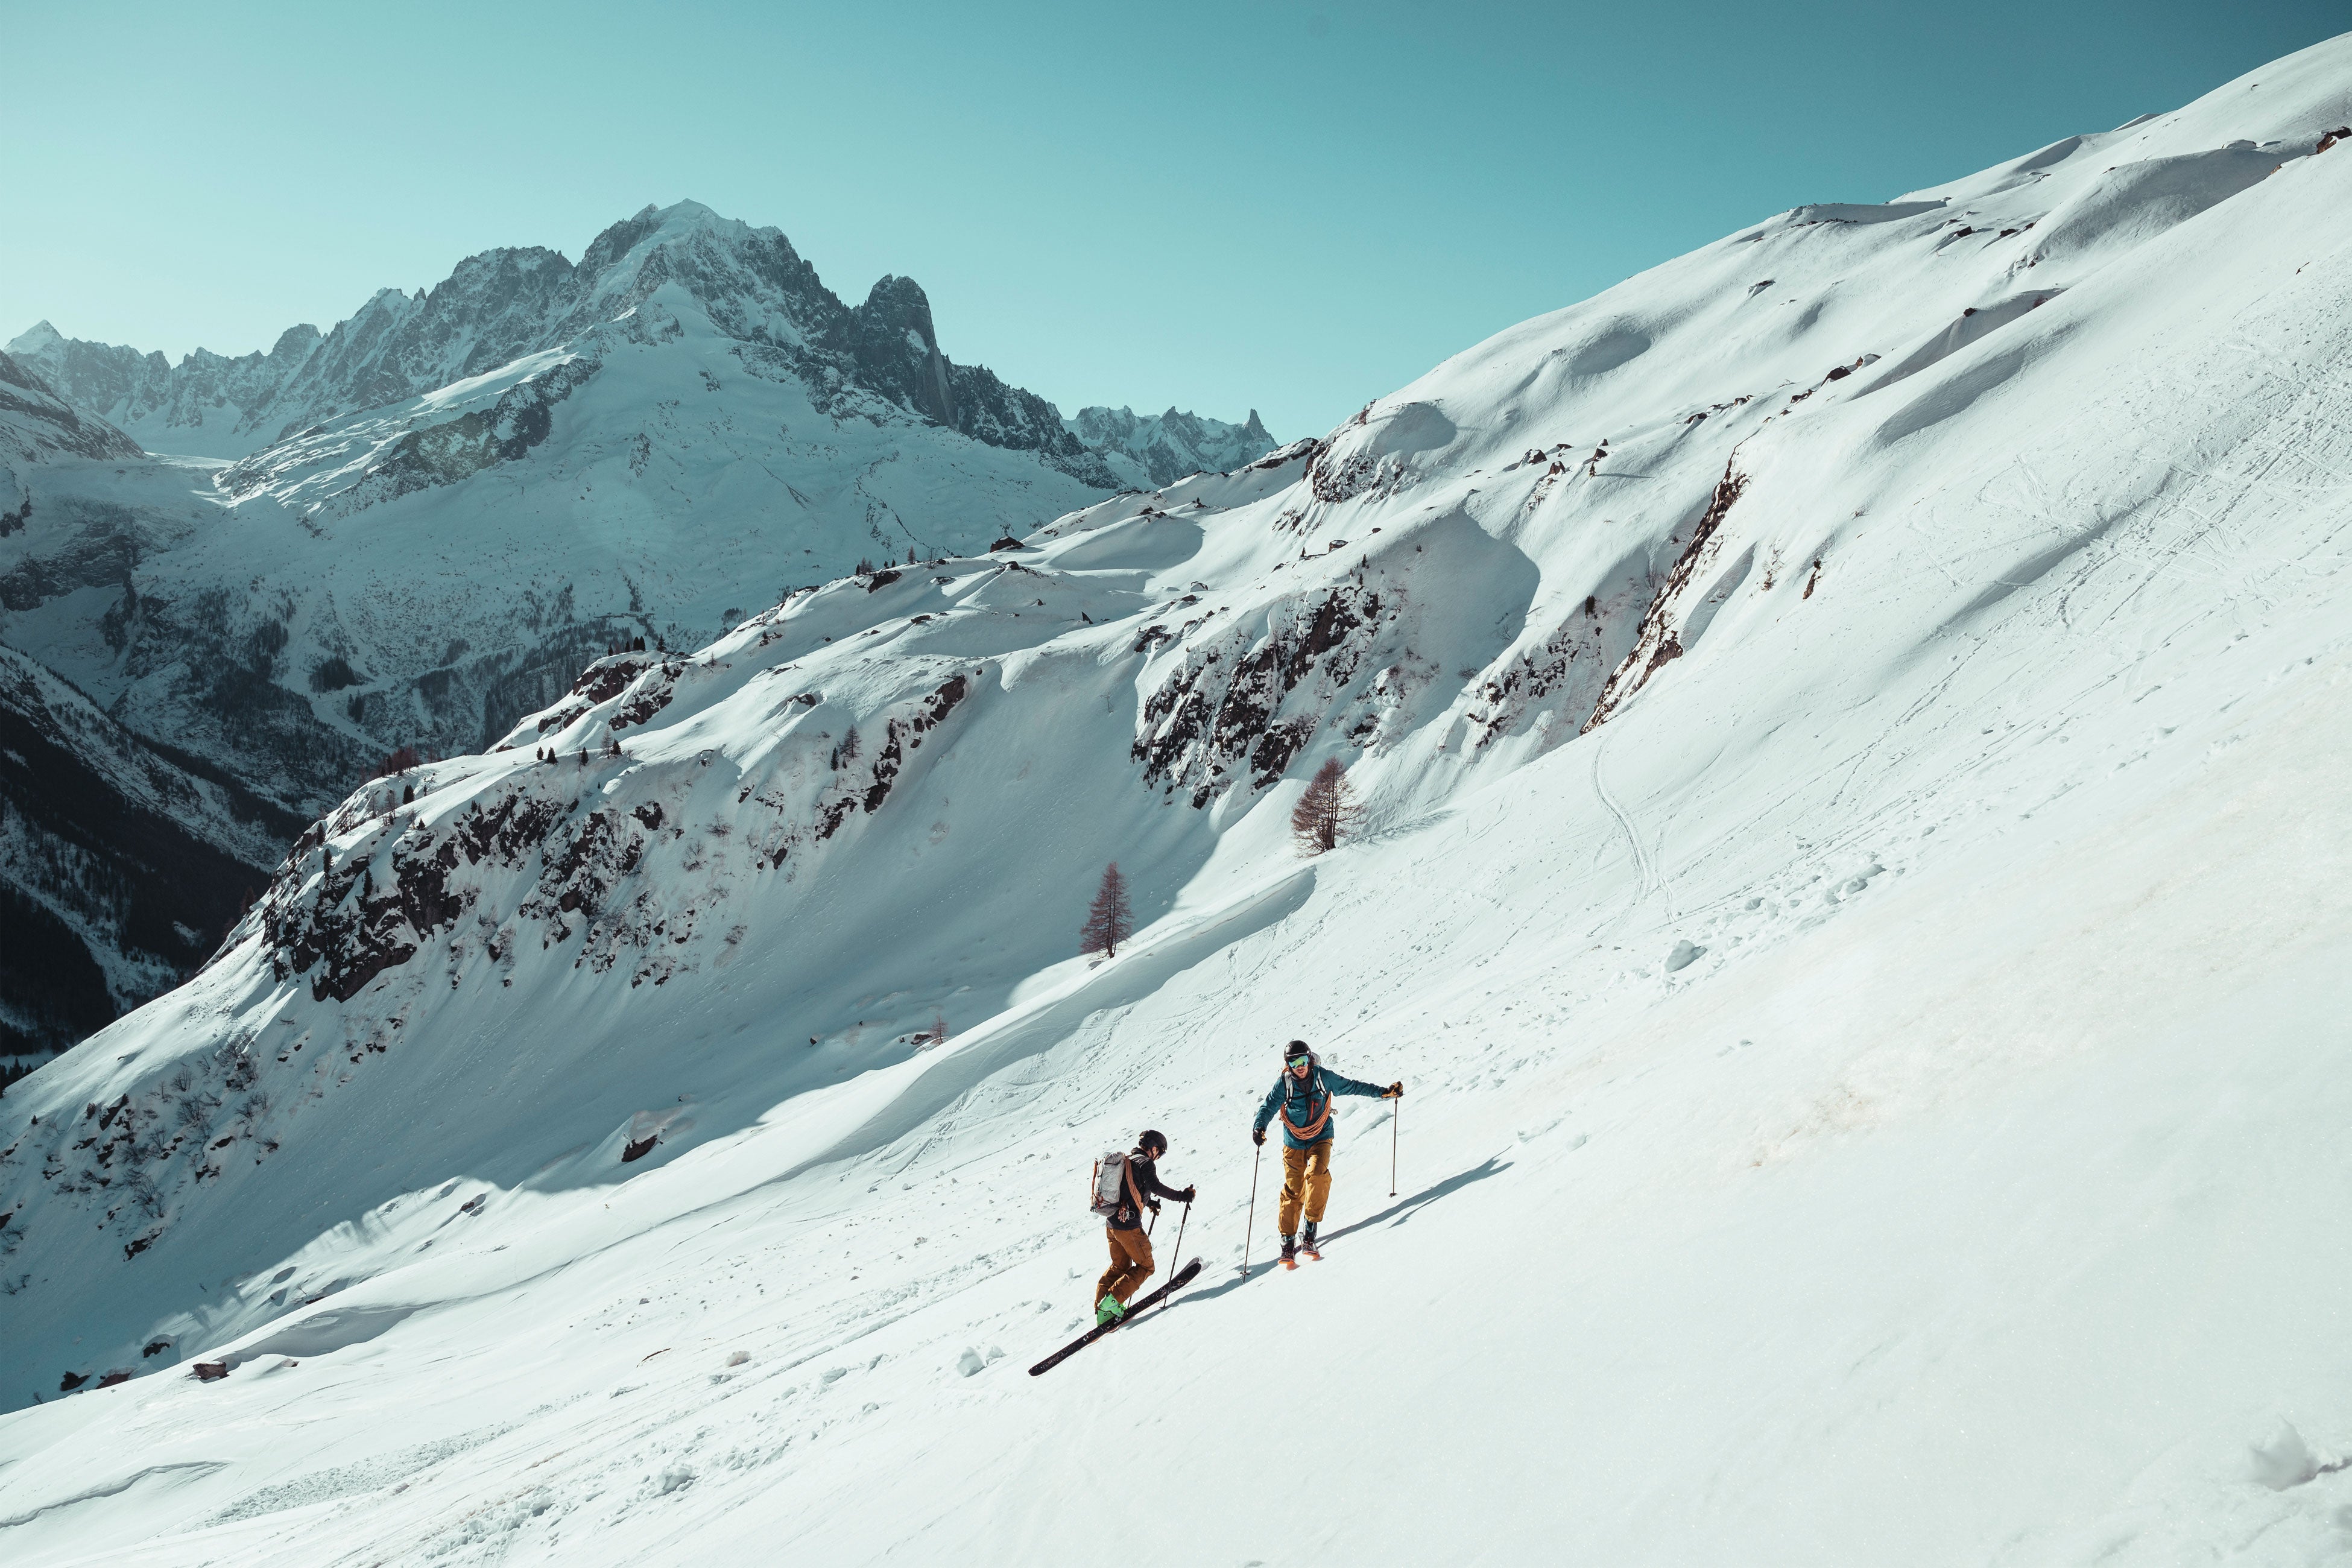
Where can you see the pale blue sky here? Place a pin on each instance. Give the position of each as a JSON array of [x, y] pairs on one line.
[[1292, 205]]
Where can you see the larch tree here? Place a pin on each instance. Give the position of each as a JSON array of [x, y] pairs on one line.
[[1108, 920], [1327, 812]]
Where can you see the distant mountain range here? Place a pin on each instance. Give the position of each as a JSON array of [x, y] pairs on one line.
[[1149, 451], [418, 525], [505, 304]]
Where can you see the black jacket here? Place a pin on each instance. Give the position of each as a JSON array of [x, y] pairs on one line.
[[1145, 1176]]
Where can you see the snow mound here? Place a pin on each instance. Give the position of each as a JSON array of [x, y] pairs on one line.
[[2146, 198]]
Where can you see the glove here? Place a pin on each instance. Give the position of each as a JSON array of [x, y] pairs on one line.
[[1188, 1195], [1154, 1204], [1257, 1136], [1394, 1090]]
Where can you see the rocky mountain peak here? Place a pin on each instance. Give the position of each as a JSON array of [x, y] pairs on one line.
[[899, 303], [1150, 450], [34, 339], [897, 348], [653, 228]]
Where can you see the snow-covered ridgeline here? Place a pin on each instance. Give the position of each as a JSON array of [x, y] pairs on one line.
[[505, 304], [1156, 449], [1853, 879], [440, 509]]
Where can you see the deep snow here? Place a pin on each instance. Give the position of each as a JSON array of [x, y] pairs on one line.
[[1853, 886]]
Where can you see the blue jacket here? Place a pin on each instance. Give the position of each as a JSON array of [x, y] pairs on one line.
[[1308, 1104]]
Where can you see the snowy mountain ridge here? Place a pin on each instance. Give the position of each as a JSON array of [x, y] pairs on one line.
[[551, 459], [502, 305], [1158, 450], [1849, 723]]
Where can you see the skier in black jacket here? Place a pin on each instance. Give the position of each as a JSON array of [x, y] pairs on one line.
[[1131, 1249]]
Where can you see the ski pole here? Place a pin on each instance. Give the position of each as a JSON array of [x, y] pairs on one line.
[[1176, 1259], [1394, 1112], [1256, 1162]]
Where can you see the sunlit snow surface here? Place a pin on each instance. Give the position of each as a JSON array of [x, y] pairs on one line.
[[1875, 1098]]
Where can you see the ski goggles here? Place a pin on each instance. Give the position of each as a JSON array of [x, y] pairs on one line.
[[1300, 1060]]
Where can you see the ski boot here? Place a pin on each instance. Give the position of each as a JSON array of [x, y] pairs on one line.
[[1290, 1252], [1307, 1242], [1108, 1310]]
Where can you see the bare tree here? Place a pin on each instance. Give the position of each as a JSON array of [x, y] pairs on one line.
[[1326, 812], [399, 763], [1108, 921], [939, 1028]]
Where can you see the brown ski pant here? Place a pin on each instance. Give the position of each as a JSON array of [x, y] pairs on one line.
[[1130, 1265], [1306, 1179]]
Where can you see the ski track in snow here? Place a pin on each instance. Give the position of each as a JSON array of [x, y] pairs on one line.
[[1652, 882]]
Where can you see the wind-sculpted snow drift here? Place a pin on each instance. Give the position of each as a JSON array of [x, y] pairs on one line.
[[1852, 880]]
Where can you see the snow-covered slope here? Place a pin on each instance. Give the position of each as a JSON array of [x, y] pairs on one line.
[[1160, 448], [36, 426], [121, 867], [444, 507], [1852, 727]]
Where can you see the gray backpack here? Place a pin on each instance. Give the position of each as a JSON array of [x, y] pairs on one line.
[[1110, 1184]]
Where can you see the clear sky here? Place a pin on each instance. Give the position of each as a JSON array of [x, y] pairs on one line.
[[1295, 206]]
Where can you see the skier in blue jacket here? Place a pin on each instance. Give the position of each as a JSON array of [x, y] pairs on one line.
[[1302, 1097]]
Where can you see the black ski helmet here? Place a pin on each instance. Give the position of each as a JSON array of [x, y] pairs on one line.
[[1294, 1050], [1151, 1142]]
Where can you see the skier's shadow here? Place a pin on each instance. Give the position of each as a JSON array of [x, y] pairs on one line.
[[1396, 1213]]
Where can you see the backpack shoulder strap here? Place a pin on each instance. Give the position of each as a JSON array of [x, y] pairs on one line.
[[1314, 1123]]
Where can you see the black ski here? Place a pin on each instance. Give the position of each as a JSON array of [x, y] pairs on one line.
[[1183, 1278]]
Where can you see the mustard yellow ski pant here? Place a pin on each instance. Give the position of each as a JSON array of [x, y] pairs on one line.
[[1305, 1181]]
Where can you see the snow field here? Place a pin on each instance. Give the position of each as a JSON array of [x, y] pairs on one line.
[[1774, 1277]]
